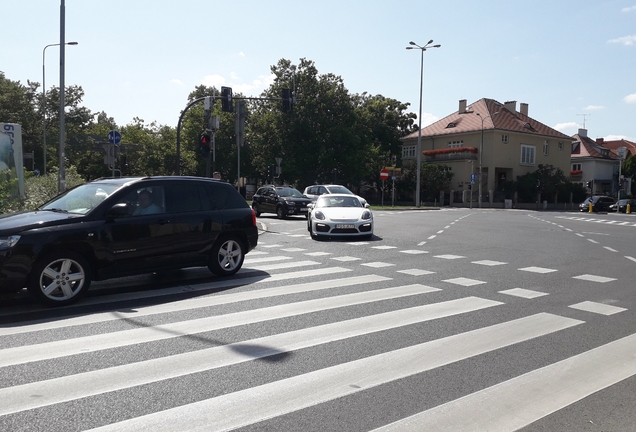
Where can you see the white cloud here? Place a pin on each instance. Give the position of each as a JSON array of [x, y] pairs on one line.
[[615, 138], [241, 54], [630, 99], [233, 76], [562, 127], [594, 108], [625, 40], [177, 82], [213, 81], [629, 9]]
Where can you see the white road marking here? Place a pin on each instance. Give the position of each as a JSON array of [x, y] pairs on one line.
[[449, 257], [524, 293], [416, 272], [610, 249], [537, 270], [519, 402], [250, 261], [96, 382], [464, 281], [599, 308], [285, 265], [593, 278], [489, 263], [346, 258], [383, 247], [228, 411], [378, 264], [414, 251]]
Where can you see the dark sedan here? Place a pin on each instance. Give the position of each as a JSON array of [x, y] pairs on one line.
[[621, 205], [280, 200], [600, 203]]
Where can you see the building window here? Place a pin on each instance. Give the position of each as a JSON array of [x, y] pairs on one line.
[[504, 138], [528, 154], [455, 144], [408, 152], [546, 147], [576, 167], [560, 145]]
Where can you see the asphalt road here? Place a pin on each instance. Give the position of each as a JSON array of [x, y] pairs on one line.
[[463, 319]]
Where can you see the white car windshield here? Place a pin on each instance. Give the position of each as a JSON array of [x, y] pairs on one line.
[[339, 190], [338, 201]]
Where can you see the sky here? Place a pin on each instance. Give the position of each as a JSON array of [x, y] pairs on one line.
[[572, 61]]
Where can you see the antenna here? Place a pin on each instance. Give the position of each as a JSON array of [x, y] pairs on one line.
[[584, 115]]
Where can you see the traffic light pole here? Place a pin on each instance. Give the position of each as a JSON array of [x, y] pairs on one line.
[[194, 102]]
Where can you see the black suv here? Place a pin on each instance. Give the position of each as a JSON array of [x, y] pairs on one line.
[[599, 203], [282, 200], [110, 228]]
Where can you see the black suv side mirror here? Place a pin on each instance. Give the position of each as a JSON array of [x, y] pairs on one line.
[[118, 210]]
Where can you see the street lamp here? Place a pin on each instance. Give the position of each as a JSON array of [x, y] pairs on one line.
[[419, 132], [44, 102], [481, 149]]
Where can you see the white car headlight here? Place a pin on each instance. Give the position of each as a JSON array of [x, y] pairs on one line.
[[366, 215], [319, 215], [9, 242]]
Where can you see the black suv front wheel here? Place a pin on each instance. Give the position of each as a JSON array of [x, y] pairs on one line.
[[60, 279]]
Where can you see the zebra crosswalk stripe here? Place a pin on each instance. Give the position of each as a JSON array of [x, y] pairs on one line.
[[58, 390], [228, 411]]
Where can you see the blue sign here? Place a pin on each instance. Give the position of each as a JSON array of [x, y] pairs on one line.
[[114, 137], [473, 177]]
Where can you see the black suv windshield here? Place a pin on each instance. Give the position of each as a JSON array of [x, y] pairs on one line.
[[81, 199], [288, 192]]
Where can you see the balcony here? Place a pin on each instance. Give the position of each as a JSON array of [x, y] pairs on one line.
[[450, 154], [576, 175]]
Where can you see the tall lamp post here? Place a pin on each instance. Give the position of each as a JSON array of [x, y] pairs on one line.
[[44, 101], [419, 132], [481, 149]]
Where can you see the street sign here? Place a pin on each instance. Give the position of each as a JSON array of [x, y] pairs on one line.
[[384, 174], [473, 177], [114, 137]]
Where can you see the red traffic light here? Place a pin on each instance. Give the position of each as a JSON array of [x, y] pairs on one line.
[[204, 139]]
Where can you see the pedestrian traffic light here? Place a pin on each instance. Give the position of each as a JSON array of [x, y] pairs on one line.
[[204, 144], [589, 185], [287, 100], [226, 99]]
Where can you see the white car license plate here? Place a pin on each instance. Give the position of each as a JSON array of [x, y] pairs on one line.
[[345, 226]]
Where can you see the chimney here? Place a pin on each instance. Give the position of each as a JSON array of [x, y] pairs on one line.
[[511, 106], [462, 106], [583, 133], [523, 109], [599, 141]]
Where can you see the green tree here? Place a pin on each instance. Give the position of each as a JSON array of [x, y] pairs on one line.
[[434, 178]]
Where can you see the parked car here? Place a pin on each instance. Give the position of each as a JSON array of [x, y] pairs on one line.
[[313, 192], [339, 215], [110, 228], [621, 205], [599, 203], [280, 200]]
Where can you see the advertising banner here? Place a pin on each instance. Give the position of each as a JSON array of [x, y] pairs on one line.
[[11, 169]]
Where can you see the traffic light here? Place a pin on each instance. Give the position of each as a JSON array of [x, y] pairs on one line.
[[271, 171], [589, 185], [204, 144], [287, 100], [226, 99], [470, 186]]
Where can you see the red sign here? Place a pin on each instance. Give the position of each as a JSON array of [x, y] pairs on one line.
[[384, 174]]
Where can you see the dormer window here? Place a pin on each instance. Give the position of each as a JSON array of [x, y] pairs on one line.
[[451, 125]]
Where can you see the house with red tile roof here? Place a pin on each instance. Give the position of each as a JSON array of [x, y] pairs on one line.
[[597, 162], [498, 140]]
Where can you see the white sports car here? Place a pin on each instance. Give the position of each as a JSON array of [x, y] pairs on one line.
[[339, 215]]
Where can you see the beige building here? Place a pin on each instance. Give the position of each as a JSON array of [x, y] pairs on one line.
[[504, 142]]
